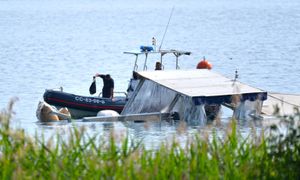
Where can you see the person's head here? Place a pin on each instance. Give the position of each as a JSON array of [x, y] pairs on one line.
[[107, 76], [157, 66]]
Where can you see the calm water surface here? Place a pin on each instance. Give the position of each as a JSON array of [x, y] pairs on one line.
[[48, 44]]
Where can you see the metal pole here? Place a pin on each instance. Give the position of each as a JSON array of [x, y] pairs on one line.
[[177, 67], [135, 63], [145, 63]]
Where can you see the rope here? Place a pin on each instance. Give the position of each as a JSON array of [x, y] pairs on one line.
[[284, 101]]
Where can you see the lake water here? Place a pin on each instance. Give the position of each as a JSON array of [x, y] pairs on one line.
[[48, 44]]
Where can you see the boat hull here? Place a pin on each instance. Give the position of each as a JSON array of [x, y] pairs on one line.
[[83, 106]]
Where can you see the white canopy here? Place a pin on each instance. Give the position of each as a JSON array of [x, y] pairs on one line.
[[203, 83]]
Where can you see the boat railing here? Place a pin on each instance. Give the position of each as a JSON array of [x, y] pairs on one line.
[[176, 53]]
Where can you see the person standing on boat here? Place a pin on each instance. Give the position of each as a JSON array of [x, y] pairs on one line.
[[108, 85]]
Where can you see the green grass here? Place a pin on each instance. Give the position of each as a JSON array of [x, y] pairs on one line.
[[233, 157]]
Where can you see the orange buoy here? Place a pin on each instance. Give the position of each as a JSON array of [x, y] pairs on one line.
[[204, 64]]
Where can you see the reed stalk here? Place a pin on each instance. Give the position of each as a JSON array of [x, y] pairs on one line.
[[275, 156]]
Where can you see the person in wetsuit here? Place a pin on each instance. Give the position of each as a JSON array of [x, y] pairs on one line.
[[108, 85]]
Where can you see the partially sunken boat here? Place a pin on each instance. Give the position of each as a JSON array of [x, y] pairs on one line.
[[186, 93]]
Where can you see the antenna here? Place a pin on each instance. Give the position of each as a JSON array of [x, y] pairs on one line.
[[166, 29]]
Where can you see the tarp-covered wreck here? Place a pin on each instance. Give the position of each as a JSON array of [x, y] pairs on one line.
[[193, 95]]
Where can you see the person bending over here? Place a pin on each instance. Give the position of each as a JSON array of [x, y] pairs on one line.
[[108, 85]]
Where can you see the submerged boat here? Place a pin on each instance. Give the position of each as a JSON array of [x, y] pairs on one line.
[[83, 106]]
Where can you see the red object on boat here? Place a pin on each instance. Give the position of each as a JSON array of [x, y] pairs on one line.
[[204, 64]]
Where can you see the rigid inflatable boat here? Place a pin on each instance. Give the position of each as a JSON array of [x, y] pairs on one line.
[[83, 106]]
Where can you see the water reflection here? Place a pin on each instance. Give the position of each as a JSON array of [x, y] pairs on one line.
[[154, 133]]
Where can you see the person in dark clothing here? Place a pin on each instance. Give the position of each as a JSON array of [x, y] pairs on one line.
[[158, 66], [108, 85]]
